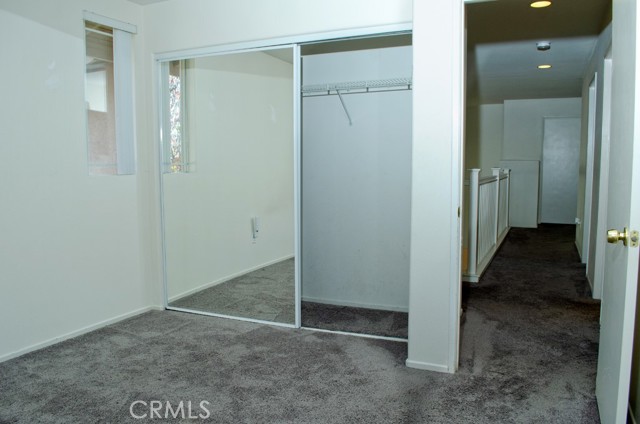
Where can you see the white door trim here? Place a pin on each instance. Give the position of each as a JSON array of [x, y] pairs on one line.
[[297, 180], [603, 195], [588, 190], [457, 181]]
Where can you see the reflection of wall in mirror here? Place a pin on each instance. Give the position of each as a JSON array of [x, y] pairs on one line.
[[240, 118]]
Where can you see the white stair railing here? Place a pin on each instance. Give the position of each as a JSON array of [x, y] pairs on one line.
[[487, 218]]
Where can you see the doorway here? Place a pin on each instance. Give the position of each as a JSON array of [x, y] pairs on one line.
[[560, 159]]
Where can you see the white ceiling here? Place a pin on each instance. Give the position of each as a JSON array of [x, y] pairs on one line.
[[502, 57]]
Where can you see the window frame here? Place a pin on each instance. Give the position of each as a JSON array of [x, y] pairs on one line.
[[123, 87]]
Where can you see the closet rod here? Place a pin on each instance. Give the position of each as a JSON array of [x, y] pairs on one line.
[[367, 86]]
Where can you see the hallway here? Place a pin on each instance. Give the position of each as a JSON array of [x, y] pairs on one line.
[[532, 320]]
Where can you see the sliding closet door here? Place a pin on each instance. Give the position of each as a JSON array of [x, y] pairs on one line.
[[229, 184], [356, 180]]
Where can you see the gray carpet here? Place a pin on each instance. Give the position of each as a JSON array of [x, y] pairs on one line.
[[266, 294], [355, 320], [532, 320], [529, 347]]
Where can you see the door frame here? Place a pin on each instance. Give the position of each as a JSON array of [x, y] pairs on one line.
[[590, 165], [600, 226]]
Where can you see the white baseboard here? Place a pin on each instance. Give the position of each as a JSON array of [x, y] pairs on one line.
[[632, 417], [427, 366], [575, 244], [324, 301], [589, 281], [365, 336], [226, 278], [77, 333]]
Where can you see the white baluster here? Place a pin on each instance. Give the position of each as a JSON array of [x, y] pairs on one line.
[[496, 173], [474, 178]]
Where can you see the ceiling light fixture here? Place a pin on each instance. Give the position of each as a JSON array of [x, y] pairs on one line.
[[543, 46], [544, 66], [540, 4]]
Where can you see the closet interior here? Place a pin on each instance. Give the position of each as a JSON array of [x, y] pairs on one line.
[[356, 112]]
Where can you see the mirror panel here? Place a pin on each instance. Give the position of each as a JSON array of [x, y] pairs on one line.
[[228, 184]]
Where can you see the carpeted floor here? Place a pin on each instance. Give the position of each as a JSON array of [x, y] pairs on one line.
[[266, 294], [532, 320], [355, 320], [528, 354]]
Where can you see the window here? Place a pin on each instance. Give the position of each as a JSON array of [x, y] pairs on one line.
[[109, 96], [176, 154]]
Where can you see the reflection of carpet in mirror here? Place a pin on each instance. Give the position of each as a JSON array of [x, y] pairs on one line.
[[266, 294]]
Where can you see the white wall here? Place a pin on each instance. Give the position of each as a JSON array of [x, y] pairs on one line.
[[523, 124], [70, 250], [483, 137], [240, 124], [187, 24], [356, 182], [524, 185], [523, 137]]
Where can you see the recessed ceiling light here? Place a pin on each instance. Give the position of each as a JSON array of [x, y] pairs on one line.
[[540, 4], [544, 66]]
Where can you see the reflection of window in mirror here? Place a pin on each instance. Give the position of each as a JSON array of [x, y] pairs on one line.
[[177, 149]]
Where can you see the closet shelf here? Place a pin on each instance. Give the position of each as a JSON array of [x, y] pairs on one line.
[[357, 87]]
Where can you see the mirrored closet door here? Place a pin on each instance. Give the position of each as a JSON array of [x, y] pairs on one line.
[[228, 184]]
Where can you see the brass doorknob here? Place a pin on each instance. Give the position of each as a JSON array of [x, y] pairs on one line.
[[614, 236], [627, 237]]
